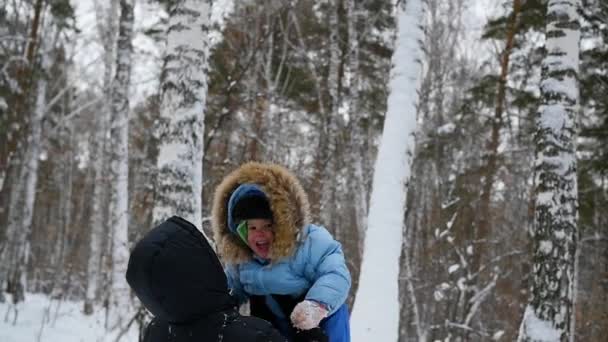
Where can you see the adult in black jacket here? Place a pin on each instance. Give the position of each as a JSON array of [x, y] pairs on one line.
[[177, 276]]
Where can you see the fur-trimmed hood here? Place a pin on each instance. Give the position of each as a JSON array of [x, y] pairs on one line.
[[288, 202]]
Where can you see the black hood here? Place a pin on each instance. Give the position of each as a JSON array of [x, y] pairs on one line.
[[176, 274]]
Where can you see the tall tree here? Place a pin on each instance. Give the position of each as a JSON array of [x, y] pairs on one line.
[[492, 162], [26, 116], [106, 28], [592, 284], [23, 196], [549, 314], [378, 286], [119, 161], [181, 124], [16, 120], [352, 88]]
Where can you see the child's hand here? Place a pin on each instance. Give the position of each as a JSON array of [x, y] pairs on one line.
[[308, 314]]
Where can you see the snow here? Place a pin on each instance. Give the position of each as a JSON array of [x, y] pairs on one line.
[[220, 12], [497, 335], [438, 295], [544, 198], [537, 329], [307, 314], [462, 283], [450, 223], [453, 268], [546, 246], [553, 117], [470, 249], [446, 129], [452, 202], [559, 234], [42, 320], [566, 86], [378, 286]]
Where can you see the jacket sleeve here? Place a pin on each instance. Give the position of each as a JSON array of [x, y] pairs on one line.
[[234, 283], [325, 266]]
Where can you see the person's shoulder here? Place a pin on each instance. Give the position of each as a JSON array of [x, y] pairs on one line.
[[313, 232], [316, 238]]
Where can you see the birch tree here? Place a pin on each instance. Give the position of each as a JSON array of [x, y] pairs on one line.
[[107, 31], [181, 126], [15, 122], [378, 283], [24, 195], [548, 316], [119, 132], [14, 251]]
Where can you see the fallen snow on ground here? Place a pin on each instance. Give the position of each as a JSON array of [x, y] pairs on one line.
[[40, 319]]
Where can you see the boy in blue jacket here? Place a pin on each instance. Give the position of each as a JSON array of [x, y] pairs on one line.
[[292, 272]]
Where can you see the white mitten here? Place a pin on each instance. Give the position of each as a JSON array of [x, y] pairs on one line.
[[308, 314]]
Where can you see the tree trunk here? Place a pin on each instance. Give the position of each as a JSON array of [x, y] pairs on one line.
[[554, 232], [378, 286], [119, 133], [25, 79], [181, 126], [23, 198], [492, 164], [100, 165]]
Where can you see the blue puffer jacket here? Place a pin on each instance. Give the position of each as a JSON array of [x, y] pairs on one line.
[[306, 262], [317, 269]]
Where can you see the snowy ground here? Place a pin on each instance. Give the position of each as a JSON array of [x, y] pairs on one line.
[[40, 320]]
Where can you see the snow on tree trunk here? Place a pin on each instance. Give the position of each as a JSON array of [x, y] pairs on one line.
[[100, 167], [181, 126], [20, 109], [17, 250], [378, 284], [554, 233], [32, 164], [9, 244], [119, 133]]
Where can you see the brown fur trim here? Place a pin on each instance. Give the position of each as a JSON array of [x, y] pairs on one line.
[[288, 201]]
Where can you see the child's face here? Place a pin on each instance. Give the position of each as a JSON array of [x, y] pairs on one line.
[[260, 236]]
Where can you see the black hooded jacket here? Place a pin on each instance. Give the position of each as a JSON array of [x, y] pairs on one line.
[[177, 276]]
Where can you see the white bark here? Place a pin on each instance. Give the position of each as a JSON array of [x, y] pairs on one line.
[[107, 32], [119, 131], [15, 254], [97, 214], [378, 284], [32, 179], [554, 233], [181, 127], [34, 153]]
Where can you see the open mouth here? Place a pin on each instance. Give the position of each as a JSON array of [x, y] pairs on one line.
[[263, 246]]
